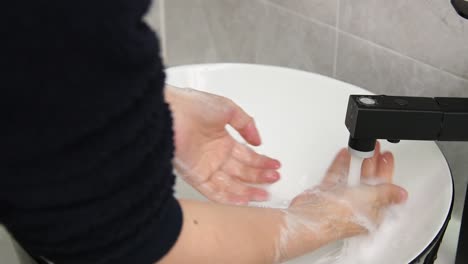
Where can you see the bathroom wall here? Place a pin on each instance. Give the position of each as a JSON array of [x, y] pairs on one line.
[[417, 47]]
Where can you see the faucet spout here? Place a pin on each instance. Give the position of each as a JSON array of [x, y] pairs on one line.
[[395, 118]]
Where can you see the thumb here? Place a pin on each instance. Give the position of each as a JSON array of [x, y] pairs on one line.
[[244, 124], [388, 194]]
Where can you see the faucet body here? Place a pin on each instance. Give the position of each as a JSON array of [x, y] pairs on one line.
[[395, 118], [461, 6], [415, 118]]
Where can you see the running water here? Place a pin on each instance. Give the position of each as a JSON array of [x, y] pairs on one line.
[[354, 176]]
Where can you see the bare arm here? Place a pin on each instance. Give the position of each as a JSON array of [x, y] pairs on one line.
[[214, 233]]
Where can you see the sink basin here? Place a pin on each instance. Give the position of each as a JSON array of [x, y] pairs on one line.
[[300, 116]]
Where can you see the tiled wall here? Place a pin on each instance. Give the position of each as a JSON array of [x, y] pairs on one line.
[[401, 47]]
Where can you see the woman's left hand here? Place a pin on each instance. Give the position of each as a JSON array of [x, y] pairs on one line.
[[208, 157]]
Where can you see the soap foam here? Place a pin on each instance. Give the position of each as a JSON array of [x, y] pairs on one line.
[[393, 233], [368, 248], [404, 231]]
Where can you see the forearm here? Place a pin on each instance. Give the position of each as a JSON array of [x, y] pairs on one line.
[[214, 233]]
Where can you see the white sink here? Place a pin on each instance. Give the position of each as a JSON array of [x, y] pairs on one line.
[[301, 119]]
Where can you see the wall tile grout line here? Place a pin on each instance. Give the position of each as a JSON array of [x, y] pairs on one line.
[[389, 50], [300, 15], [337, 38], [394, 52]]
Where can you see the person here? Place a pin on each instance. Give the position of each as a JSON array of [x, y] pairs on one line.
[[90, 136]]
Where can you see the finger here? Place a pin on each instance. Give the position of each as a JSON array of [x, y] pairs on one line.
[[385, 167], [369, 166], [236, 189], [255, 194], [338, 170], [388, 194], [224, 189], [251, 158], [235, 199], [215, 193], [250, 174], [244, 124]]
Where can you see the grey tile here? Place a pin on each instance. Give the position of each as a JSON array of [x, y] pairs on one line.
[[291, 41], [200, 31], [322, 10], [428, 30], [382, 71], [153, 16]]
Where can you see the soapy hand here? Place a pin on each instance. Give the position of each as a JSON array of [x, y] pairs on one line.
[[208, 157], [334, 211]]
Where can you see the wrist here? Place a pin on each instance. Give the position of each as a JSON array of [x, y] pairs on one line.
[[300, 234], [272, 230]]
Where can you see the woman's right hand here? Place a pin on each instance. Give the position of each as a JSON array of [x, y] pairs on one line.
[[329, 212], [334, 211]]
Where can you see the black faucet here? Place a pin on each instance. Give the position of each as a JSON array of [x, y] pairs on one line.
[[461, 6], [395, 118]]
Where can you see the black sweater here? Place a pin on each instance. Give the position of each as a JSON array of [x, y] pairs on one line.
[[85, 135]]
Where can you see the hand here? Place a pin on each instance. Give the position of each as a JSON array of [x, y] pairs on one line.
[[208, 157], [333, 211]]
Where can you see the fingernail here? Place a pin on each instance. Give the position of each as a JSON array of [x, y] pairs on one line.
[[276, 164], [271, 175]]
